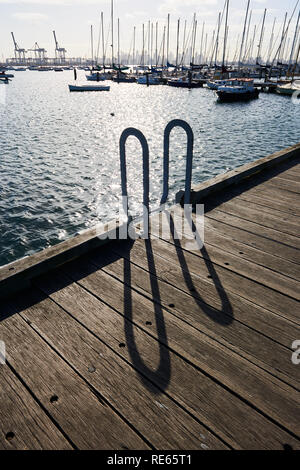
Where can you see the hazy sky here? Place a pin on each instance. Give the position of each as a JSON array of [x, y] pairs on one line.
[[34, 20]]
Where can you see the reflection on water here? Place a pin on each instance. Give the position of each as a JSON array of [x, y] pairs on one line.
[[59, 151]]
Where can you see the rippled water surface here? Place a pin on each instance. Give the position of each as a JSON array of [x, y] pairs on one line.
[[59, 151]]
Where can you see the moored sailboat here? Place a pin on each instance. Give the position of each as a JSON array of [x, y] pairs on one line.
[[289, 88], [238, 90], [185, 82]]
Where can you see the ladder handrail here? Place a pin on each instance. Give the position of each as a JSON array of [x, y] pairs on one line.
[[132, 132], [189, 159]]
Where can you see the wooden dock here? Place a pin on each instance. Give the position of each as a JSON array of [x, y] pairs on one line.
[[148, 345]]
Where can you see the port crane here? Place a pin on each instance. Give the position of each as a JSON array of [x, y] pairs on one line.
[[39, 53], [19, 53], [60, 52]]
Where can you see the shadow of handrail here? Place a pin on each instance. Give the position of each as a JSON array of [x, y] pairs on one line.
[[226, 308], [163, 371]]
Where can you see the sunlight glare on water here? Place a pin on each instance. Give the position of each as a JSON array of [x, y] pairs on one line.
[[60, 170]]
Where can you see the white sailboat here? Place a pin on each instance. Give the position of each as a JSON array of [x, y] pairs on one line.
[[289, 88]]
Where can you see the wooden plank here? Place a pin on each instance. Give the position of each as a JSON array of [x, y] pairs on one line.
[[17, 276], [225, 325], [291, 186], [292, 173], [264, 238], [23, 423], [190, 269], [252, 240], [216, 238], [274, 194], [294, 177], [226, 415], [82, 415], [237, 176], [268, 205], [232, 261], [286, 224], [155, 416], [240, 375]]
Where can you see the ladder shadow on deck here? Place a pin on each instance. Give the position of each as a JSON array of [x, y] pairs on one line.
[[224, 316], [163, 371]]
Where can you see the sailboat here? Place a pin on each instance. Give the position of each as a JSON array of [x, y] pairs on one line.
[[96, 77], [149, 79], [294, 85], [124, 78], [289, 89], [121, 77], [185, 82], [241, 89]]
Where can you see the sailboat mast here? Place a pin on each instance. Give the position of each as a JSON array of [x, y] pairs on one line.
[[247, 37], [193, 37], [156, 44], [119, 42], [201, 46], [151, 53], [183, 43], [168, 38], [164, 44], [225, 34], [205, 48], [296, 62], [112, 33], [217, 41], [148, 51], [133, 53], [282, 38], [143, 51], [252, 44], [177, 49], [284, 45], [271, 41], [284, 33], [211, 48], [92, 44], [261, 37], [227, 57], [103, 45], [294, 40], [236, 49], [244, 32], [194, 43]]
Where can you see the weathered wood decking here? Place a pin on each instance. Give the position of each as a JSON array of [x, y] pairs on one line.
[[145, 344]]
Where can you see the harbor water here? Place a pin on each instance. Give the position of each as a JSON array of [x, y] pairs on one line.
[[59, 168]]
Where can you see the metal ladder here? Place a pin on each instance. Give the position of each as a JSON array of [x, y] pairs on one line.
[[166, 165]]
